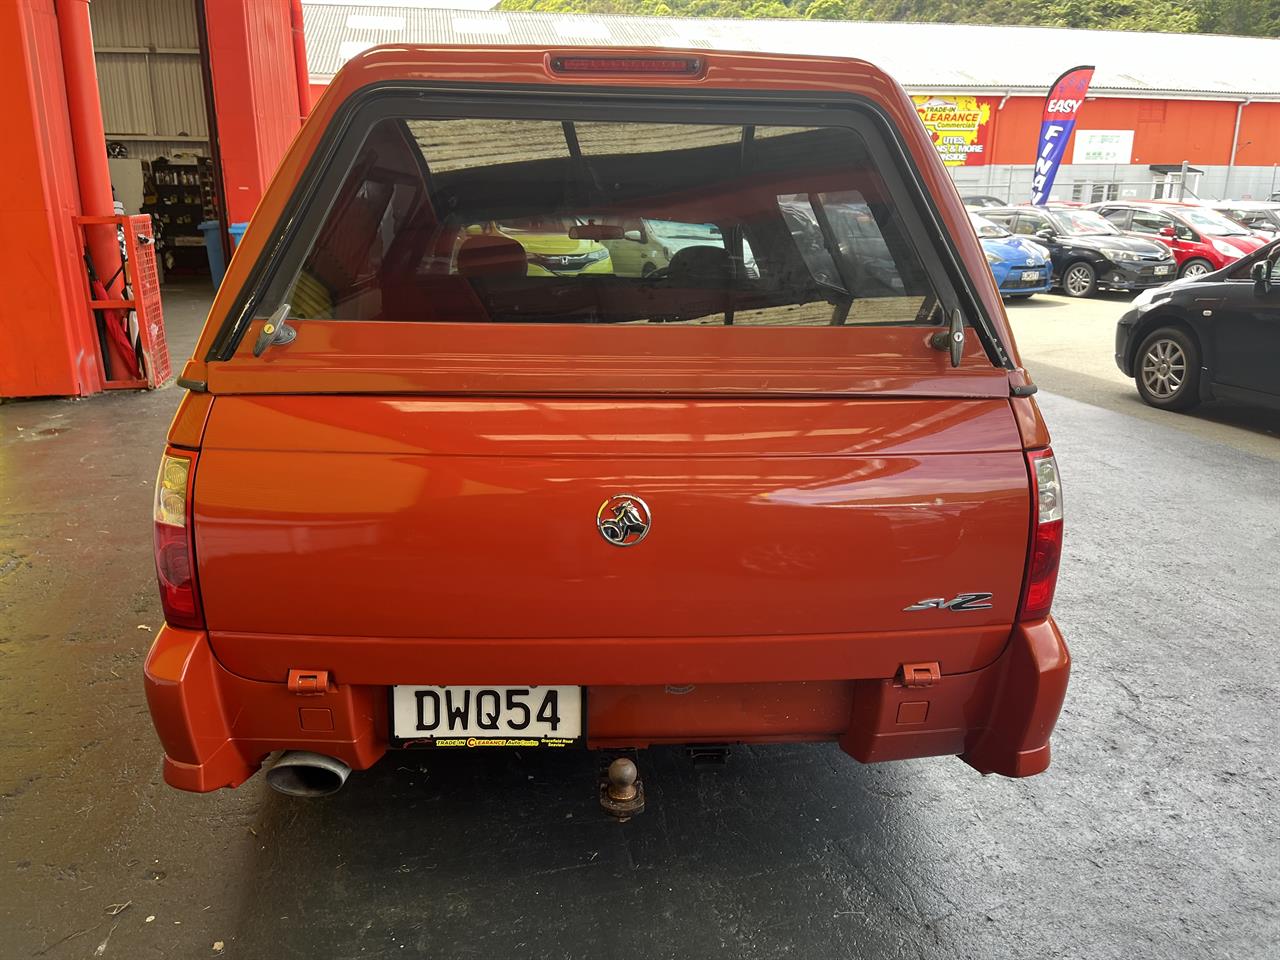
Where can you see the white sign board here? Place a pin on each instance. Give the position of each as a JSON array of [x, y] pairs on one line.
[[1103, 146]]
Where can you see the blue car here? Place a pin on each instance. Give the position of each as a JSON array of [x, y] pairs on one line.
[[1020, 265]]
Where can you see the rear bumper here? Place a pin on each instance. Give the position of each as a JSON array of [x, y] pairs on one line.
[[217, 727]]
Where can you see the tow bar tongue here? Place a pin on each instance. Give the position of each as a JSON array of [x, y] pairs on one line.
[[622, 790]]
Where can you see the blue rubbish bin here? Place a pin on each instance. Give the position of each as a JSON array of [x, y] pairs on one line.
[[237, 234], [212, 231]]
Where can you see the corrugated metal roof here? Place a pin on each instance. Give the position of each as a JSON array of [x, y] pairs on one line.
[[921, 56]]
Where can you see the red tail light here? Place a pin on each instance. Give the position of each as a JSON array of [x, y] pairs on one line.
[[175, 556], [1046, 537], [669, 66]]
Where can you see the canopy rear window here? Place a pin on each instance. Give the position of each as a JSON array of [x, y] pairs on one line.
[[540, 221]]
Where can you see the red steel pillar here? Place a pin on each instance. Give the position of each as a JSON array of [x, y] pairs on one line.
[[88, 139], [300, 59], [254, 67], [47, 342]]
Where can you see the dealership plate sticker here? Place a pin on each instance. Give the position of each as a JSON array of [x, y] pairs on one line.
[[487, 716], [1030, 274], [1164, 269]]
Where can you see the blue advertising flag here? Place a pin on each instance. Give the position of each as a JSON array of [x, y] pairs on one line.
[[1056, 124]]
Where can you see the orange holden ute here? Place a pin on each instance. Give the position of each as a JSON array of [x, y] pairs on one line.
[[457, 468]]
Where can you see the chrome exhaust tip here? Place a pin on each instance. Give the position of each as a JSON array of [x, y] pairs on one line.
[[300, 773]]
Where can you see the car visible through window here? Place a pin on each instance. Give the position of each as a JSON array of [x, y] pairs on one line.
[[477, 220], [1265, 221], [988, 229], [1029, 224], [1152, 224], [1083, 223], [1212, 223]]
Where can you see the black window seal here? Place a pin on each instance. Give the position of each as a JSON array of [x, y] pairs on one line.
[[427, 100]]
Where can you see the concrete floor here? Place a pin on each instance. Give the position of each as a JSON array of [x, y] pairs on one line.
[[1154, 834]]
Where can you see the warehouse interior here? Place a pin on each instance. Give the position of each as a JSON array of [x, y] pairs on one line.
[[174, 110], [155, 120]]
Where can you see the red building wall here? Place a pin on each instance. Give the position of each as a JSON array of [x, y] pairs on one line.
[[1165, 131], [255, 93], [47, 342], [1259, 135]]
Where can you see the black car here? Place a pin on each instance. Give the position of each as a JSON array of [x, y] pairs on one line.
[[1087, 251], [1216, 337]]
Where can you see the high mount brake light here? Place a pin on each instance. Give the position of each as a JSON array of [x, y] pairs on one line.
[[667, 66], [175, 558], [1046, 537]]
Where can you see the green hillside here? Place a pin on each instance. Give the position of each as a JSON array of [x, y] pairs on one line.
[[1260, 18]]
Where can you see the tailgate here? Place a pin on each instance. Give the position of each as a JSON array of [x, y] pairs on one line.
[[426, 520]]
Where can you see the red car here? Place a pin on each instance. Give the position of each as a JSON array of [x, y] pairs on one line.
[[1202, 240], [422, 496]]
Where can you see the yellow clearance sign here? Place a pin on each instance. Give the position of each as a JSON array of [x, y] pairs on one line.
[[959, 126]]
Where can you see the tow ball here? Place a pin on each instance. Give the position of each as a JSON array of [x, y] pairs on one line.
[[622, 790]]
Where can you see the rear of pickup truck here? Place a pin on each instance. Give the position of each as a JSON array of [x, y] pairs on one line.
[[764, 487]]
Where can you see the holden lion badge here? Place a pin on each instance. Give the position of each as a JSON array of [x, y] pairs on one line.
[[624, 519]]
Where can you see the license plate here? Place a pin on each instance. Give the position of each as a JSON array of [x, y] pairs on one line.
[[486, 716], [1030, 274], [1160, 271]]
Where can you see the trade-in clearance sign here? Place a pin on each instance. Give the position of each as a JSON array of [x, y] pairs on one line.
[[1058, 120], [959, 127]]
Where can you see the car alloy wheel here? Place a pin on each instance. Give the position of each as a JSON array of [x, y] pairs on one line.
[[1196, 269], [1164, 369], [1079, 280]]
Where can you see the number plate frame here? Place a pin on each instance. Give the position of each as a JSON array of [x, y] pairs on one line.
[[509, 740]]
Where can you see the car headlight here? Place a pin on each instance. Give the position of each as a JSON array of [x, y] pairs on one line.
[[1115, 253], [992, 257], [1227, 250]]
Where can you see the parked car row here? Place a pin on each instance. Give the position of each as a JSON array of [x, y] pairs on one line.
[[1115, 245], [1087, 252], [1128, 245], [1206, 321], [1258, 216], [560, 246], [1201, 239]]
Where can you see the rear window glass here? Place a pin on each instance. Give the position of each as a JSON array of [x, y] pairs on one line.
[[543, 221]]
